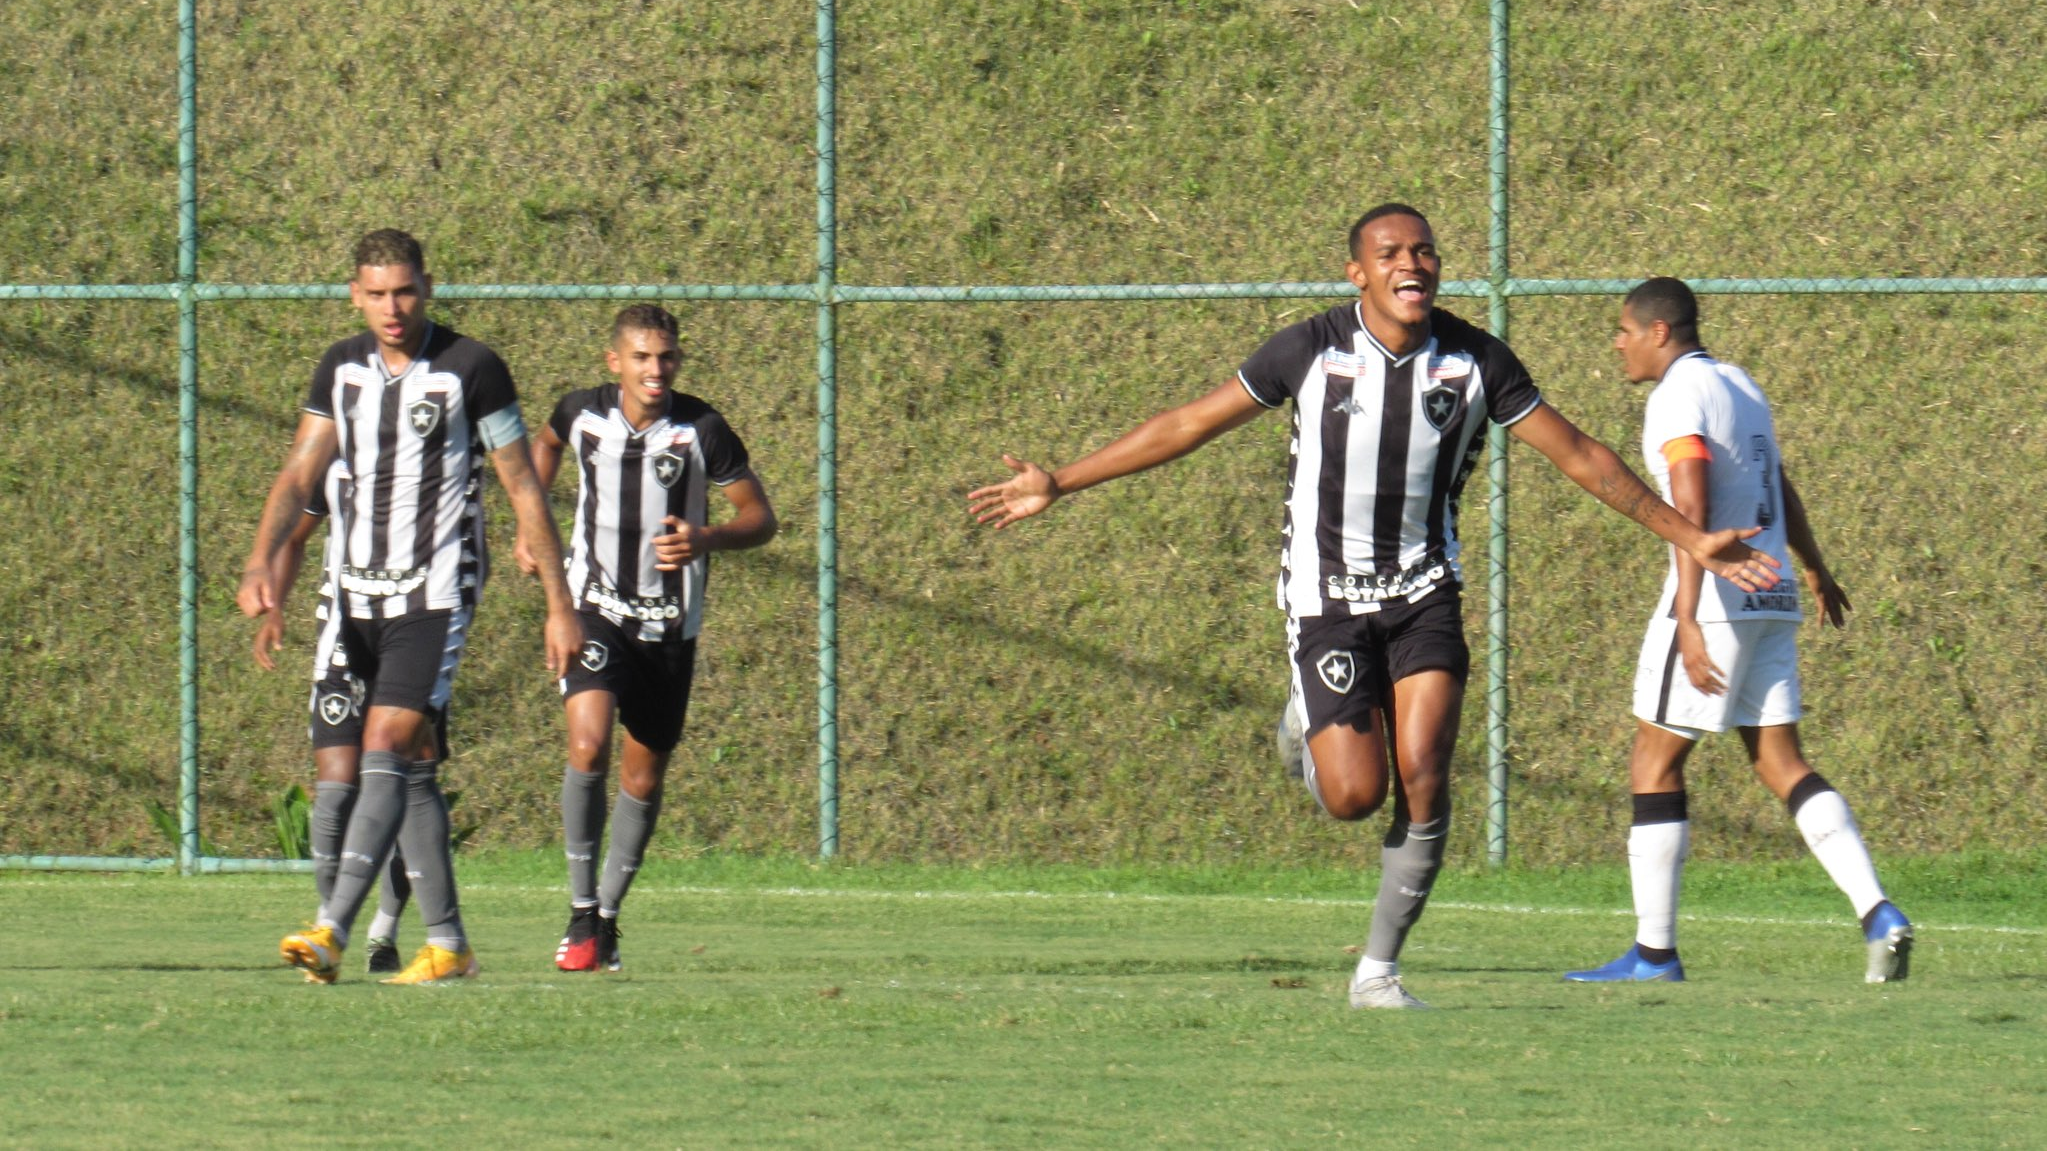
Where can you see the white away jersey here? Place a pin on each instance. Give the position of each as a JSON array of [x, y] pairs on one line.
[[1381, 449], [1700, 396], [630, 481]]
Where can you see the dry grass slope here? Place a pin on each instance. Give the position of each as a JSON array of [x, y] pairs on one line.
[[1098, 685]]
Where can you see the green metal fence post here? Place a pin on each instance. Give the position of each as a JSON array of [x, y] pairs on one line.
[[188, 437], [1496, 467], [827, 436]]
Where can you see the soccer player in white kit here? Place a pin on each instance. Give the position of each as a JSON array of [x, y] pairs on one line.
[[1717, 656]]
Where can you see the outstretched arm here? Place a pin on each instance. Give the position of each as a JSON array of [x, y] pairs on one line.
[[1832, 600], [1160, 439], [564, 632], [312, 449], [1593, 466]]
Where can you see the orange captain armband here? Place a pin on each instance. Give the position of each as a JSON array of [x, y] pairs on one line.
[[1686, 448]]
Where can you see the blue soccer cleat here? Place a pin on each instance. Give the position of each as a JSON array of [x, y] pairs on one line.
[[1889, 936], [1631, 968]]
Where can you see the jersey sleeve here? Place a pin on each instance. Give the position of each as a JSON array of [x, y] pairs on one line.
[[1673, 412], [489, 387], [320, 397], [725, 455], [565, 411], [1511, 393], [1275, 371], [492, 402]]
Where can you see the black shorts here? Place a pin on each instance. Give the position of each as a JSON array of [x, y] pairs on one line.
[[337, 710], [409, 661], [649, 678], [1345, 666]]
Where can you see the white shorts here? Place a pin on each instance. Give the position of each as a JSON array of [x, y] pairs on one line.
[[1757, 658]]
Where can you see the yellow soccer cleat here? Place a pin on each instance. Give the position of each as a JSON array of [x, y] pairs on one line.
[[314, 951], [434, 964]]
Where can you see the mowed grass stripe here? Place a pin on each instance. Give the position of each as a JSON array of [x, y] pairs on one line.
[[780, 1014]]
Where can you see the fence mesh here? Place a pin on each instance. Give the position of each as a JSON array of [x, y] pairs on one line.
[[1100, 684]]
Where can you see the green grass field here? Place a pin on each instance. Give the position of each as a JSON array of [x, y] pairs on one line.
[[781, 1003]]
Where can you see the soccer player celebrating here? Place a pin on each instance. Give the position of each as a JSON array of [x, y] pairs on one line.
[[646, 457], [1717, 655], [1391, 396], [411, 408], [336, 724]]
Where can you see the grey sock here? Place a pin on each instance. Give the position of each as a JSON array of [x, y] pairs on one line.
[[1410, 860], [429, 862], [372, 829], [582, 827], [325, 826], [632, 825]]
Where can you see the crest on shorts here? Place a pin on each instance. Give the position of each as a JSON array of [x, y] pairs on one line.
[[335, 707], [594, 656], [424, 415], [1339, 670], [667, 469]]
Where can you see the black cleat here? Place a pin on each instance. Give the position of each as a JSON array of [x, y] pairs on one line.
[[383, 957], [607, 943]]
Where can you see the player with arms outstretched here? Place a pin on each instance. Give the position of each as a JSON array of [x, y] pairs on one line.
[[1718, 655], [646, 458], [1391, 397]]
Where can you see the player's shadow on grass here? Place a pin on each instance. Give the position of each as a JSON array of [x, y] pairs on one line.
[[166, 968], [1224, 691], [220, 399], [24, 747]]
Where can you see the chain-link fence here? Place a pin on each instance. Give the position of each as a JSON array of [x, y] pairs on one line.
[[1121, 155]]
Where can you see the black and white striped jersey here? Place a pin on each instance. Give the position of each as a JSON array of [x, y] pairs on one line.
[[411, 514], [327, 652], [630, 480], [1381, 448]]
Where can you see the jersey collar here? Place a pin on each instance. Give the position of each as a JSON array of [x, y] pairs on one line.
[[391, 377], [1699, 352], [1358, 311]]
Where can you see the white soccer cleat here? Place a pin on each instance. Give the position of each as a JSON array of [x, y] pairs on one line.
[[1383, 991], [1290, 738]]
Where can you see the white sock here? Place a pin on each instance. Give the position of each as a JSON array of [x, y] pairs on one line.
[[1656, 860], [383, 926], [1370, 968], [1829, 829]]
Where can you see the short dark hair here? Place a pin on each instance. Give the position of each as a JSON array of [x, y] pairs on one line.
[[1390, 208], [1668, 299], [389, 247], [644, 318]]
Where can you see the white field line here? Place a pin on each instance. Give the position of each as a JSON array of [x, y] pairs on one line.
[[1113, 896], [1277, 900]]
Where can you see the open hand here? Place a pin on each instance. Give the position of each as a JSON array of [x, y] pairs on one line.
[[1723, 554], [1025, 494]]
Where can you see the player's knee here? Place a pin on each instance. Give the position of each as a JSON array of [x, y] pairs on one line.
[[589, 752], [1424, 791], [1350, 799]]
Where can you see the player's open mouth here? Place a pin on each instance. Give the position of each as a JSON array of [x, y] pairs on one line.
[[1412, 291]]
